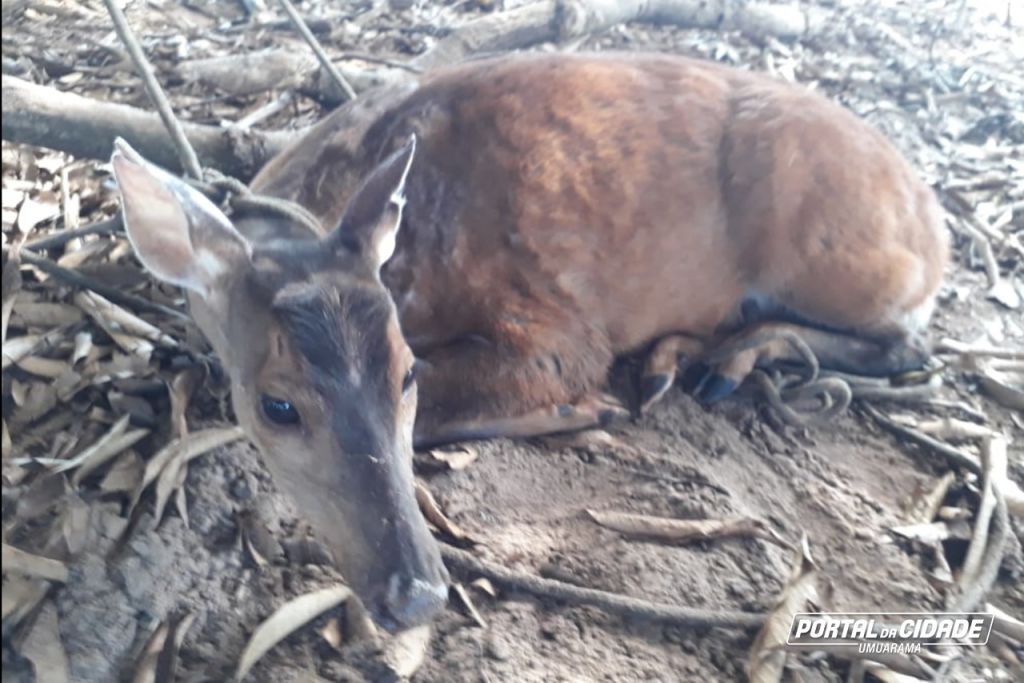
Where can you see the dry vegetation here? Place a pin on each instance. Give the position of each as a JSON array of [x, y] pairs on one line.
[[112, 405]]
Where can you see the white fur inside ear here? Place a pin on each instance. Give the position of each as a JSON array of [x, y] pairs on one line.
[[178, 234], [386, 243]]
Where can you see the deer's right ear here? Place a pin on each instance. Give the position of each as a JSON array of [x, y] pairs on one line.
[[178, 234]]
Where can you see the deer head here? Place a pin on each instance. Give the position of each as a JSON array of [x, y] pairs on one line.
[[322, 378]]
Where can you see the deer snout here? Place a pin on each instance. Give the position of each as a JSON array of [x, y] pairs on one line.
[[410, 601]]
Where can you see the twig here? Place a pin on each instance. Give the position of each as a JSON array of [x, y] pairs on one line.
[[187, 155], [114, 294], [958, 347], [609, 602], [59, 239], [371, 59], [314, 44], [991, 530], [955, 456]]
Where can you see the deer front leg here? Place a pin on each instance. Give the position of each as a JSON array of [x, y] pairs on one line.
[[478, 389]]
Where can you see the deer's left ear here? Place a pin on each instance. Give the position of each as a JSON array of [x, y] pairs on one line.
[[374, 213]]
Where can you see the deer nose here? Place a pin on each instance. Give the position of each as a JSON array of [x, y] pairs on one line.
[[410, 601]]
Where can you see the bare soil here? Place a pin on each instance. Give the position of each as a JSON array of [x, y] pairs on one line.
[[844, 485]]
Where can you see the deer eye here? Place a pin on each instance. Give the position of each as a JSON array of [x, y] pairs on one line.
[[409, 379], [279, 411]]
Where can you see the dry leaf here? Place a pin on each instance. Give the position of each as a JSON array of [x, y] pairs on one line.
[[20, 596], [406, 651], [124, 475], [285, 620], [484, 585], [36, 211], [456, 459], [331, 632], [159, 659], [928, 534], [83, 346], [433, 513], [925, 505], [113, 442], [27, 564], [685, 530], [463, 596], [43, 647], [45, 314], [117, 321], [11, 287], [181, 451], [49, 368], [767, 657], [1005, 624], [18, 347]]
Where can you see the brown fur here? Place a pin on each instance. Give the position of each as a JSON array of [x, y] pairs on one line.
[[567, 209]]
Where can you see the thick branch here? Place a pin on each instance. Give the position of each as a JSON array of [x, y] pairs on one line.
[[37, 115], [563, 20]]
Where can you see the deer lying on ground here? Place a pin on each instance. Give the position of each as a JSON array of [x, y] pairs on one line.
[[497, 235]]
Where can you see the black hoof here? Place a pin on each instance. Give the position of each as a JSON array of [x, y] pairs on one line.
[[715, 388], [694, 376], [653, 386]]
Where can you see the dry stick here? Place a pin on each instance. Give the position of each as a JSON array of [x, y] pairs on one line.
[[73, 277], [314, 44], [991, 530], [609, 602], [187, 155], [59, 239], [955, 456]]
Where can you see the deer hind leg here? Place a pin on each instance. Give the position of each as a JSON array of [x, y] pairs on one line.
[[545, 384], [769, 343], [662, 365]]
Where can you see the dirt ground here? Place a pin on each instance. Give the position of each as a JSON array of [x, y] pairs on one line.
[[845, 485]]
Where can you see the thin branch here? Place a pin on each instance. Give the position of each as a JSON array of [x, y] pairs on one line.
[[186, 155], [955, 456], [73, 277], [318, 50], [613, 603]]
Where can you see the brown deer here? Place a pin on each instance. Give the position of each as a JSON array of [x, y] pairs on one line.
[[504, 229]]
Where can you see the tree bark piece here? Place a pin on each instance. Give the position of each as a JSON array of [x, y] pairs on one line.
[[45, 117]]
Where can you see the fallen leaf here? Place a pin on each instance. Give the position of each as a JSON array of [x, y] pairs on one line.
[[183, 450], [11, 286], [43, 647], [331, 632], [685, 530], [457, 459], [16, 348], [405, 652], [27, 564], [45, 314], [767, 657], [433, 513], [463, 597], [20, 596], [285, 620], [114, 441], [49, 368], [124, 475], [484, 585], [36, 211]]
